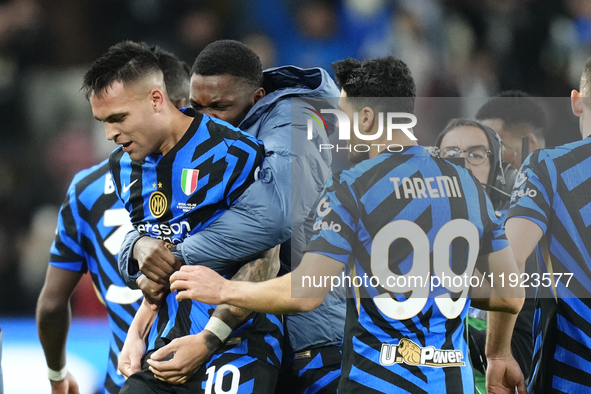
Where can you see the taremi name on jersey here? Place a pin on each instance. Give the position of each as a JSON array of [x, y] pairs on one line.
[[400, 217]]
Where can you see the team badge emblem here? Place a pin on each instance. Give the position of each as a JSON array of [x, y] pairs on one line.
[[189, 181], [158, 204]]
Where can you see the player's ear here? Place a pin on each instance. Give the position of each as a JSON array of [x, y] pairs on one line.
[[258, 95], [533, 142], [576, 102], [366, 119], [157, 99]]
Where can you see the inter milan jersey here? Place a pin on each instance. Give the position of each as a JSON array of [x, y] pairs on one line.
[[173, 196], [553, 190], [91, 226], [402, 217]]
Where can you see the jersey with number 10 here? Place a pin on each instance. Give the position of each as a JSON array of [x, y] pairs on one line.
[[91, 226], [401, 218], [174, 196]]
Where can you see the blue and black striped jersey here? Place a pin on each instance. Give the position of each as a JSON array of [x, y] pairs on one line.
[[553, 190], [176, 195], [396, 221], [91, 226]]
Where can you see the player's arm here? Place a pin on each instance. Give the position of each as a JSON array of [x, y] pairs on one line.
[[135, 342], [66, 266], [53, 322], [289, 293], [503, 374], [527, 221], [143, 255], [162, 263], [496, 298], [259, 270], [191, 351], [523, 236], [293, 292], [503, 370]]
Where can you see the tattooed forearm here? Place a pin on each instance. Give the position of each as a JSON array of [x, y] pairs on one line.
[[259, 270], [230, 315], [212, 342]]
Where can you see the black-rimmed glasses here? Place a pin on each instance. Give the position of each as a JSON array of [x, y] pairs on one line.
[[475, 156]]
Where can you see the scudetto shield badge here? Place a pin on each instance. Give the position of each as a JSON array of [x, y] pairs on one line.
[[189, 181]]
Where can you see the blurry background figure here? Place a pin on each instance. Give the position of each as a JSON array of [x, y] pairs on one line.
[[514, 115], [263, 46]]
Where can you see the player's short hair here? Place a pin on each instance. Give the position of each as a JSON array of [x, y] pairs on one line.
[[229, 57], [125, 62], [176, 74], [375, 78], [585, 87], [516, 109]]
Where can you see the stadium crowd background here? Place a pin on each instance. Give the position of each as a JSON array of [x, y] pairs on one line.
[[455, 48]]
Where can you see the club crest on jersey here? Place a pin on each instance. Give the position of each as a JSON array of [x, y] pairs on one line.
[[189, 181], [157, 204], [410, 353]]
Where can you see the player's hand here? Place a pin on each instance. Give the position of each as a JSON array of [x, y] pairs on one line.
[[154, 293], [130, 358], [199, 283], [155, 259], [66, 386], [503, 375], [190, 352]]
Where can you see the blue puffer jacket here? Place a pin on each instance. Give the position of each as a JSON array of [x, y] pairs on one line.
[[272, 210]]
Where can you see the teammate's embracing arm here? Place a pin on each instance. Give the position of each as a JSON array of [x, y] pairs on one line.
[[289, 293]]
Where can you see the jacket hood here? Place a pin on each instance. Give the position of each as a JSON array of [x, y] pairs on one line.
[[288, 81]]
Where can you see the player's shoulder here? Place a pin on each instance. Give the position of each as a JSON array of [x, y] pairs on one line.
[[90, 175], [363, 168], [118, 155], [577, 147], [225, 129]]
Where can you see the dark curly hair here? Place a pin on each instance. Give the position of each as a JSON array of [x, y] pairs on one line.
[[230, 57], [124, 62], [377, 78]]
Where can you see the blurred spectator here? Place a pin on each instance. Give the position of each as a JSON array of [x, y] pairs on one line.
[[264, 47], [316, 40]]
